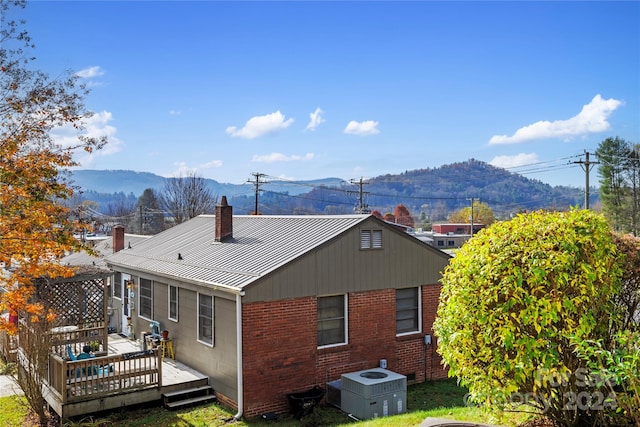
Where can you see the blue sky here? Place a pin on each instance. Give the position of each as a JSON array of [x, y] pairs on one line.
[[306, 90]]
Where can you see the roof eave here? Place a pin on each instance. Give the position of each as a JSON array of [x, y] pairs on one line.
[[218, 286]]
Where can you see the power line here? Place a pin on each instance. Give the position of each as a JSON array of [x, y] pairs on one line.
[[586, 166], [361, 208], [257, 183]]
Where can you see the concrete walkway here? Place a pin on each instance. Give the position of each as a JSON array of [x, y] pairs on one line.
[[8, 387], [445, 422]]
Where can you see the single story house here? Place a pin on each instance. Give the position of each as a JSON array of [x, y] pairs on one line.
[[271, 305]]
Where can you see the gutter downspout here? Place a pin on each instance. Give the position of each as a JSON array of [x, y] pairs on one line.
[[239, 355]]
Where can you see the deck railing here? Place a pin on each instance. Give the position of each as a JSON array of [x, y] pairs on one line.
[[103, 376], [95, 337], [8, 346]]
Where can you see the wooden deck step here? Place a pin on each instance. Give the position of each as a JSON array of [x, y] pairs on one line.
[[192, 401], [189, 396]]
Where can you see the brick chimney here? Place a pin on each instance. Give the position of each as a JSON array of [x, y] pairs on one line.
[[224, 220], [118, 238]]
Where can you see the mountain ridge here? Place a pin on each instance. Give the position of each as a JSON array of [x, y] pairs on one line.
[[435, 191]]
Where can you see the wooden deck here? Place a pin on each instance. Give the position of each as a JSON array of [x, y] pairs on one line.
[[125, 376]]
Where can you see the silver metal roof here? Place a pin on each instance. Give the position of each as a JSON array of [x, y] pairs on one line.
[[259, 245], [103, 247]]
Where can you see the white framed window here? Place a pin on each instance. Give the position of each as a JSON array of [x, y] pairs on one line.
[[173, 302], [145, 299], [117, 285], [408, 311], [332, 320], [370, 239], [205, 319]]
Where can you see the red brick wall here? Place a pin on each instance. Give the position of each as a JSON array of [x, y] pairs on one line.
[[281, 354], [223, 221], [117, 238]]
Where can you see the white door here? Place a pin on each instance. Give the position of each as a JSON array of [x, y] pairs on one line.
[[124, 291]]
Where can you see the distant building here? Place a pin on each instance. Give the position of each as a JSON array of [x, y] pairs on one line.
[[446, 236], [457, 228]]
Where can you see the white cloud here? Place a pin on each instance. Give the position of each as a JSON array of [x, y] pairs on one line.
[[261, 125], [90, 72], [94, 127], [315, 119], [284, 177], [521, 159], [368, 127], [279, 157], [592, 119], [175, 112], [212, 164], [182, 170]]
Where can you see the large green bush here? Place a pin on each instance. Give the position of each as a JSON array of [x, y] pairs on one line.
[[518, 298]]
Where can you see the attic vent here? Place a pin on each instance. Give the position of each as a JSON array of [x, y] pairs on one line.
[[370, 239]]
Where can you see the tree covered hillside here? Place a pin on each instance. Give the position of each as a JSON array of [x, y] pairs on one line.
[[436, 192], [431, 193]]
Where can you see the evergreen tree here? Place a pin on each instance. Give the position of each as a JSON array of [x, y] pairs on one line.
[[149, 219], [619, 183]]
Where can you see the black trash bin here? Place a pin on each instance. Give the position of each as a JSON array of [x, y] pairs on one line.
[[302, 404]]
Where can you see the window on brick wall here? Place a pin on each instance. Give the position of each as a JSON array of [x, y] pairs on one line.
[[205, 319], [173, 302], [407, 311], [332, 320], [370, 239], [146, 299]]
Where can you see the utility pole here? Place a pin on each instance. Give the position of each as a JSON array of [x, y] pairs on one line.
[[586, 166], [141, 219], [257, 182], [472, 200], [362, 208]]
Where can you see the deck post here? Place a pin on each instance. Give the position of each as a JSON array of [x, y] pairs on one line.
[[159, 364], [65, 373]]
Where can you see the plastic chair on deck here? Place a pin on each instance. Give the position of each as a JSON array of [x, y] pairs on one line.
[[70, 353], [95, 370]]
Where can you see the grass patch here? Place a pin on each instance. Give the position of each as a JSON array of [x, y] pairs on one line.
[[8, 368], [13, 411], [440, 399]]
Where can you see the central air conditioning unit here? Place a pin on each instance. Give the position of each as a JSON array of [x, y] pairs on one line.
[[373, 393]]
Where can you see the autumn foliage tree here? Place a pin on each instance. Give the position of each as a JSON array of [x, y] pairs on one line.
[[35, 226], [482, 214], [376, 213], [403, 216], [521, 305]]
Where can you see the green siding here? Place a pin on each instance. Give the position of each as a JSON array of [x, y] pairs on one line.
[[341, 266]]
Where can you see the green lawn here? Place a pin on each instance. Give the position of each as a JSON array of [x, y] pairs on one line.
[[441, 399], [13, 411]]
